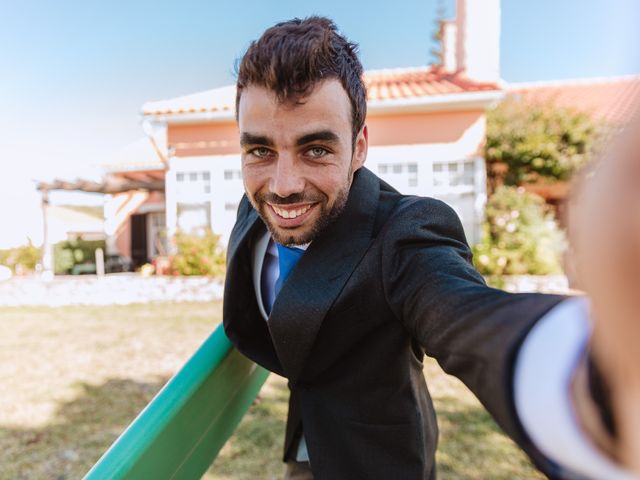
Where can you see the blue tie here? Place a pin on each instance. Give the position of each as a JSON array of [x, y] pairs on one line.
[[287, 259]]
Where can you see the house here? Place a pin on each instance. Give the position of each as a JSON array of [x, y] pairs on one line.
[[426, 131]]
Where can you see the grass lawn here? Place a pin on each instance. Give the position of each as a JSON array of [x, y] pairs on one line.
[[72, 378]]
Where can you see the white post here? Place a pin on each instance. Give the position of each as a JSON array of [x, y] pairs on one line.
[[47, 250], [99, 262]]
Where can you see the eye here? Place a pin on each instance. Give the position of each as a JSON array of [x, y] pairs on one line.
[[260, 152], [317, 152]]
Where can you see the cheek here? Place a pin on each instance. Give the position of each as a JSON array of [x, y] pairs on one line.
[[332, 185], [253, 178]]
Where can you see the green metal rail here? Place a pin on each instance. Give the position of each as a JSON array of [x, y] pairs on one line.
[[181, 431]]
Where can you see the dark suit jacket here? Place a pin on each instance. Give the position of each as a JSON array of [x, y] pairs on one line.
[[387, 282]]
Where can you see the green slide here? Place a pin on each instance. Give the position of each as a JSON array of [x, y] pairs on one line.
[[180, 432]]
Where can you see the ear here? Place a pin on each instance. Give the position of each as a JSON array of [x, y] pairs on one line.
[[360, 150]]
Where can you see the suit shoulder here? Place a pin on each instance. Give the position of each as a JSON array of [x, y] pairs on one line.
[[419, 216], [425, 209]]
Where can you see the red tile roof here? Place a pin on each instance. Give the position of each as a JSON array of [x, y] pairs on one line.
[[382, 85], [419, 82], [614, 100], [217, 100]]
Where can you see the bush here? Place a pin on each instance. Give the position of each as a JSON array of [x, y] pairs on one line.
[[537, 140], [520, 236], [198, 255], [21, 259], [69, 253]]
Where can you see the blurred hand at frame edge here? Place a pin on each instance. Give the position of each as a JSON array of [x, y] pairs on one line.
[[604, 229]]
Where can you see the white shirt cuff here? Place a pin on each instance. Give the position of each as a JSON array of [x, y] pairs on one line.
[[543, 372]]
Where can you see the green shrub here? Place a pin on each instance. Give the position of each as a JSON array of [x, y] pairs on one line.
[[23, 258], [69, 253], [538, 140], [198, 255], [520, 236]]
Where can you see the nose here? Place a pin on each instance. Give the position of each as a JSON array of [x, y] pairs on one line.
[[288, 177]]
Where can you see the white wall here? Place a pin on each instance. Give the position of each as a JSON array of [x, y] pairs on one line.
[[214, 181], [433, 170]]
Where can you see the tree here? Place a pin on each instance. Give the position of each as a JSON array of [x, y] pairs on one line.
[[526, 142], [436, 35], [520, 236], [21, 259]]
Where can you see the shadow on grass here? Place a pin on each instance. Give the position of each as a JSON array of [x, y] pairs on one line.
[[472, 446], [79, 433], [83, 429]]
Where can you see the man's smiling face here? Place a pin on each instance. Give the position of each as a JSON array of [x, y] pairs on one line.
[[298, 159]]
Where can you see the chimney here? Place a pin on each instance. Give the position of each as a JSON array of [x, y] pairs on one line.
[[448, 37], [478, 39]]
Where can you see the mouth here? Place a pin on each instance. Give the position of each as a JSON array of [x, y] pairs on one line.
[[291, 216]]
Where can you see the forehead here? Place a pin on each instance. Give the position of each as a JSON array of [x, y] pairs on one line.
[[327, 107]]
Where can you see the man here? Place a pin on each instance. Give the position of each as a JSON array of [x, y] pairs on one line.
[[377, 280]]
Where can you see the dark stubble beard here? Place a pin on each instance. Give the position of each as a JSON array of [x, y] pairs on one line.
[[327, 215]]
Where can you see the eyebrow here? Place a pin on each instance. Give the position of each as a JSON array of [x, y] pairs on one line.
[[251, 139], [322, 135], [247, 138]]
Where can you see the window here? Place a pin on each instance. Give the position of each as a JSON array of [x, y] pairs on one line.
[[193, 183], [454, 174], [233, 174], [399, 174], [469, 173]]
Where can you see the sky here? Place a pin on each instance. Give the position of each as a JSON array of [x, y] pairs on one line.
[[74, 74]]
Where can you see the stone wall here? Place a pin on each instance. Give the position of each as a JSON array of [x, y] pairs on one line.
[[119, 289]]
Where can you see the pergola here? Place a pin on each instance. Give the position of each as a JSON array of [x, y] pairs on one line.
[[113, 183]]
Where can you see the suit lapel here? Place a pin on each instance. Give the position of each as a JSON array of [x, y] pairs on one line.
[[321, 274], [243, 320]]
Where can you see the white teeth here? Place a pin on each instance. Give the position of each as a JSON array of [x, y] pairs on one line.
[[291, 213]]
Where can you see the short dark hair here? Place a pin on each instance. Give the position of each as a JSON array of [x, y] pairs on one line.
[[291, 57]]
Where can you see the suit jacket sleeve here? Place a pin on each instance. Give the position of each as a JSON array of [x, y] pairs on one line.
[[473, 331]]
